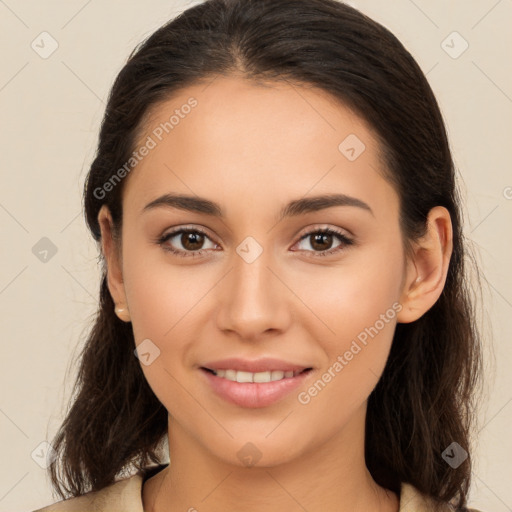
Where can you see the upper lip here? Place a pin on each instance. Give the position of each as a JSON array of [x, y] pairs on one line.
[[254, 366]]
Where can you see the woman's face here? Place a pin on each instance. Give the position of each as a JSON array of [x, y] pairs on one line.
[[263, 285]]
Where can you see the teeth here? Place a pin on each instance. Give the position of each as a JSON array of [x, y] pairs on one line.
[[240, 376]]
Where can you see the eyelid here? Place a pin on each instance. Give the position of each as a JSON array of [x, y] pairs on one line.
[[186, 227], [309, 230]]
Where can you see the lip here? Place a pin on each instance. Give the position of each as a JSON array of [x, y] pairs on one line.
[[254, 395], [260, 365]]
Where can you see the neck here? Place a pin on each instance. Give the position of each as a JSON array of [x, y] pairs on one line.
[[332, 477]]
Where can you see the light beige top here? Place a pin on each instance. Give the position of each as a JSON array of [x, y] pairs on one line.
[[126, 496]]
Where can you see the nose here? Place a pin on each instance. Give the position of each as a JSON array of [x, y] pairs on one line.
[[253, 299]]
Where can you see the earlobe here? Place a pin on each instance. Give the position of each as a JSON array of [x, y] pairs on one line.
[[111, 253], [428, 267]]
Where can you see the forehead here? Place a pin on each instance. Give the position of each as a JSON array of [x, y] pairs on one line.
[[236, 139]]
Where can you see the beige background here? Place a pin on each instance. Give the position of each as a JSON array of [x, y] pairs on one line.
[[50, 111]]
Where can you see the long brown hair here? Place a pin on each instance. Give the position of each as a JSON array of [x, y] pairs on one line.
[[426, 397]]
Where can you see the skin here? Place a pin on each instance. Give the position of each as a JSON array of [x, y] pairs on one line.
[[252, 148]]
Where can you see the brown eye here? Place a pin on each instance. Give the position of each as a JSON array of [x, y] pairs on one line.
[[192, 242], [321, 241]]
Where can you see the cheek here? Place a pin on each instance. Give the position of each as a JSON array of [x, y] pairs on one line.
[[358, 306], [349, 298], [165, 301], [160, 294], [161, 301], [361, 315]]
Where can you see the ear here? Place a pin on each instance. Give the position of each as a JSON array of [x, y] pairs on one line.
[[112, 254], [427, 268]]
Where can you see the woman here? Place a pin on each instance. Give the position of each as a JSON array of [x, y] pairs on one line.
[[284, 297]]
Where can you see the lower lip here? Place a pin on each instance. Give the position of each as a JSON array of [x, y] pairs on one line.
[[254, 394]]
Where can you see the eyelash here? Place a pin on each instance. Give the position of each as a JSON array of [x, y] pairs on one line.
[[345, 242]]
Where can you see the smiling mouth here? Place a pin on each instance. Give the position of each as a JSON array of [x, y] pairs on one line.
[[255, 377]]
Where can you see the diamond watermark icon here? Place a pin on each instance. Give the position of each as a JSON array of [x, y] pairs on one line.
[[455, 455], [44, 45], [249, 249], [44, 250], [44, 454], [351, 147], [454, 45], [249, 454], [146, 352]]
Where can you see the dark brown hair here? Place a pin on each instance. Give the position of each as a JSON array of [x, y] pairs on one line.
[[425, 399]]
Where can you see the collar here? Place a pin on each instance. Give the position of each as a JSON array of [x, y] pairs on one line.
[[126, 496]]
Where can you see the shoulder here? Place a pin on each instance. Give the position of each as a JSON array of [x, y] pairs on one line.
[[412, 500], [122, 496]]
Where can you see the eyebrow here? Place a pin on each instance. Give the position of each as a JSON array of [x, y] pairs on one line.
[[292, 209]]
